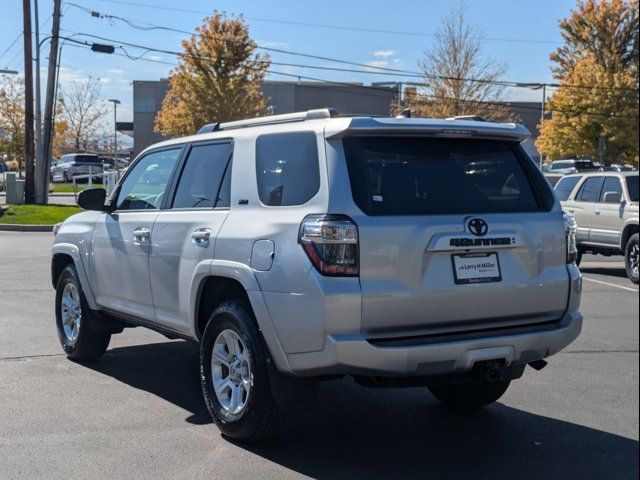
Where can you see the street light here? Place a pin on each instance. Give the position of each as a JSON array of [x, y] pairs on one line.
[[115, 133], [8, 72]]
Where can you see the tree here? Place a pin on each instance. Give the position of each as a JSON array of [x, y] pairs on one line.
[[607, 108], [12, 118], [82, 109], [458, 78], [606, 30], [217, 79], [598, 94]]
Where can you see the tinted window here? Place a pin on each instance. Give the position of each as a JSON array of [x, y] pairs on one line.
[[611, 184], [224, 197], [86, 159], [145, 185], [287, 168], [202, 176], [586, 165], [418, 176], [560, 165], [590, 190], [565, 186], [632, 186]]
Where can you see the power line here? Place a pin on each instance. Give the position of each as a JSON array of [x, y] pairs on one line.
[[328, 26], [10, 45], [379, 70], [350, 85]]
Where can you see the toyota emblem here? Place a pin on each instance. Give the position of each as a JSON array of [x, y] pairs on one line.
[[478, 227]]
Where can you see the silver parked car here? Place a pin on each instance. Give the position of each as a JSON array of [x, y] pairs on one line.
[[75, 164], [605, 207], [304, 247]]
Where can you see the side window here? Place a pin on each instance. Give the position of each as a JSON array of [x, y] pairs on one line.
[[565, 186], [224, 197], [202, 176], [287, 168], [590, 190], [144, 186], [611, 184]]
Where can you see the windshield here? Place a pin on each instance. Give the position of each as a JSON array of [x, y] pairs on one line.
[[86, 159], [632, 186], [422, 176]]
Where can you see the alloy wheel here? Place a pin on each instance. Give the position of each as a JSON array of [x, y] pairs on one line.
[[231, 372]]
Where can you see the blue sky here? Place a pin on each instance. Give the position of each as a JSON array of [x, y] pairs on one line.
[[520, 34]]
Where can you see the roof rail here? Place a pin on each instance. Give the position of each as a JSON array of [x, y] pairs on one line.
[[473, 118], [321, 113]]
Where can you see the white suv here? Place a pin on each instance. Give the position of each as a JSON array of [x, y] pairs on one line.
[[303, 247]]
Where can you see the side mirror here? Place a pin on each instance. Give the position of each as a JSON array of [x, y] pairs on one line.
[[612, 197], [93, 199]]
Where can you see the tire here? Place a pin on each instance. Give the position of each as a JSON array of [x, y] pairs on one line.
[[254, 415], [469, 395], [81, 339], [579, 257], [631, 258], [65, 177]]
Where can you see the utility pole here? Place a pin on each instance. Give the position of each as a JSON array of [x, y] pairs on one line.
[[544, 107], [29, 184], [38, 113], [47, 135], [115, 134]]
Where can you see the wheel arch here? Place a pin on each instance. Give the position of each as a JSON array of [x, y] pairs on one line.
[[227, 281], [627, 232], [64, 254]]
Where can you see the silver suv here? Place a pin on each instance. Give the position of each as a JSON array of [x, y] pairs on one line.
[[305, 247], [75, 164], [605, 207]]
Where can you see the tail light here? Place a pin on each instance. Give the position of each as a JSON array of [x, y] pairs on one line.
[[331, 243], [571, 228]]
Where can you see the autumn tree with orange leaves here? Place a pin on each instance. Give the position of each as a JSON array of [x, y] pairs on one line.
[[217, 79], [598, 96]]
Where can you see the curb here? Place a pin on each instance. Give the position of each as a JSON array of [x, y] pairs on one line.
[[5, 227]]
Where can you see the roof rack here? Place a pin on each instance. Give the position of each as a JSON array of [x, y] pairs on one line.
[[473, 118], [321, 113]]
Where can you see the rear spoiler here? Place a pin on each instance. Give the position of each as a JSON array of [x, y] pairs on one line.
[[339, 128]]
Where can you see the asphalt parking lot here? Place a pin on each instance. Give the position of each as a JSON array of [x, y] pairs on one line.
[[138, 412]]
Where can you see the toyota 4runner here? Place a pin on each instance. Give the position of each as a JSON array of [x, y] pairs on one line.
[[304, 247]]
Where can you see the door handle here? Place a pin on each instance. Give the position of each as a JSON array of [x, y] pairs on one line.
[[141, 234], [201, 236]]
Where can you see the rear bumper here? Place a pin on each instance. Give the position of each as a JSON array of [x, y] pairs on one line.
[[356, 355]]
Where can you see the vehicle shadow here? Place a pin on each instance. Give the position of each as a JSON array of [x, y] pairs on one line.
[[612, 272], [392, 433]]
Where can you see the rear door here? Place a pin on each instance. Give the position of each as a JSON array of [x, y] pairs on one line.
[[585, 205], [608, 220], [185, 233], [454, 234]]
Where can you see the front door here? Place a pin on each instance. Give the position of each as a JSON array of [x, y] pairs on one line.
[[184, 234], [119, 263]]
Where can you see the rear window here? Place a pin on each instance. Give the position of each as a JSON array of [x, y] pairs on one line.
[[423, 176], [565, 186], [586, 165], [287, 168], [590, 190], [86, 159]]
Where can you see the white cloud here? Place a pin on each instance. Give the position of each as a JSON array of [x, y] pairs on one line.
[[378, 63], [114, 71], [155, 58], [383, 53]]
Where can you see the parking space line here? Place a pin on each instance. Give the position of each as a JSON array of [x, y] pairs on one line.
[[610, 284]]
